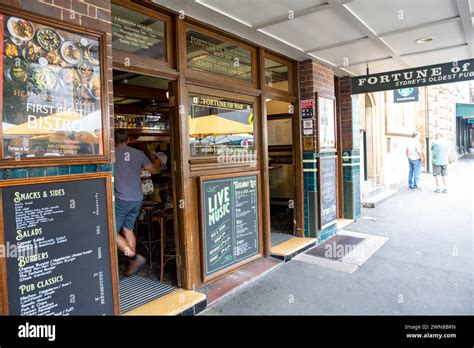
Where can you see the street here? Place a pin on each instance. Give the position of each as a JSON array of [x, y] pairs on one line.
[[426, 266]]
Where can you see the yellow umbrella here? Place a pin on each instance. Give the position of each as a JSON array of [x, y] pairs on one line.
[[213, 125], [87, 137], [45, 125]]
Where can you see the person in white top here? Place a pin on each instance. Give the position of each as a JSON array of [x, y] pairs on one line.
[[414, 154]]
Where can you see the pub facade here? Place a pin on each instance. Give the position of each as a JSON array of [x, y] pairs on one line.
[[256, 150]]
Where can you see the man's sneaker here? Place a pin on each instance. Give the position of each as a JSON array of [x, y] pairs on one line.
[[445, 190], [438, 190], [135, 265]]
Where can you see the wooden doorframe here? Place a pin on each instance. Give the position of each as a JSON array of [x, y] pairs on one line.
[[298, 211], [176, 148]]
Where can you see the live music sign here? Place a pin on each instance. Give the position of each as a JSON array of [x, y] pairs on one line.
[[455, 71]]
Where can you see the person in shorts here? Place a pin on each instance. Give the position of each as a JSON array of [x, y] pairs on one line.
[[129, 196], [414, 154], [440, 162]]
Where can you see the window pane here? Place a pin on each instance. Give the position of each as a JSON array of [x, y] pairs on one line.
[[219, 127], [276, 74], [51, 92], [138, 34], [207, 53]]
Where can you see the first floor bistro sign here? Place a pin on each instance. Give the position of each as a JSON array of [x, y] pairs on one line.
[[454, 71]]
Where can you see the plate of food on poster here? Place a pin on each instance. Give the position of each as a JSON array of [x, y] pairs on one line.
[[43, 59]]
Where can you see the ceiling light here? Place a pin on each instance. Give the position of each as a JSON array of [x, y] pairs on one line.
[[267, 100], [425, 39]]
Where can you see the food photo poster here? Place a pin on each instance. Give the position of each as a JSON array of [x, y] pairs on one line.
[[51, 90]]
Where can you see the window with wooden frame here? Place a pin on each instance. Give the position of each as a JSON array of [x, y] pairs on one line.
[[222, 127], [53, 93], [141, 37], [224, 60], [278, 75]]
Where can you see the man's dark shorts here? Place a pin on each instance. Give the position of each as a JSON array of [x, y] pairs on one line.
[[126, 213], [440, 170]]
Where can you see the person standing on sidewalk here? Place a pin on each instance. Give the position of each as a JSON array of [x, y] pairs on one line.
[[440, 161], [129, 196], [414, 154]]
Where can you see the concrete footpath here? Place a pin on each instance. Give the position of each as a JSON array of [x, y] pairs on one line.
[[426, 267]]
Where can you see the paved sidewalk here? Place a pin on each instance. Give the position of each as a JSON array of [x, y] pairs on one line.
[[426, 266]]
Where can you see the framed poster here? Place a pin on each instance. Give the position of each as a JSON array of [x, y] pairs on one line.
[[326, 123], [327, 191], [62, 254], [231, 228], [53, 100]]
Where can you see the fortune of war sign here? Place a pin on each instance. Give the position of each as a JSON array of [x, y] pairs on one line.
[[454, 71]]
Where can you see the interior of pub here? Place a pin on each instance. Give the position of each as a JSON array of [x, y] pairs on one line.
[[280, 153], [142, 107]]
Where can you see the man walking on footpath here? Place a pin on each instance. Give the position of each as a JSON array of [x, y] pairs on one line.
[[440, 162], [414, 154], [129, 196]]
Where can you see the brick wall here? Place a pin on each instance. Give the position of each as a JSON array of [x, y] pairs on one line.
[[92, 14], [314, 78], [345, 103]]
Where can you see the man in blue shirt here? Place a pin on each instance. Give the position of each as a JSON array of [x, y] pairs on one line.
[[440, 161], [129, 196]]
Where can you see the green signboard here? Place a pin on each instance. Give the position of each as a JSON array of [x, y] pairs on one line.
[[436, 74], [230, 229]]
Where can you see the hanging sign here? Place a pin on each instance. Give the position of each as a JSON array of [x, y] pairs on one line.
[[405, 95], [436, 74]]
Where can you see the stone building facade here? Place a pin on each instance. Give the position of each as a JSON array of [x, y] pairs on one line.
[[387, 127]]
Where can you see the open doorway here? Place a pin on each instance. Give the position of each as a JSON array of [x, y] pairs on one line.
[[142, 107], [281, 170]]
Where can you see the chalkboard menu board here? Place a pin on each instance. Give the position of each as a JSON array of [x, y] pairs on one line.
[[327, 191], [230, 221], [59, 239]]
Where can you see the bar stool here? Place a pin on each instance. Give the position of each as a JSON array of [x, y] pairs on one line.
[[150, 241], [166, 254]]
